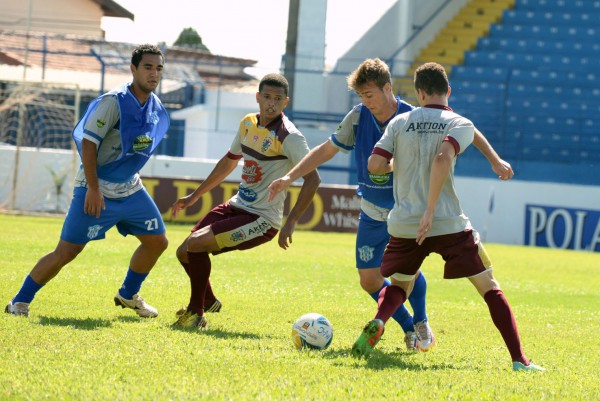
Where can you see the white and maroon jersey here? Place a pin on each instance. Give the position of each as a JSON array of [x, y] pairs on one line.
[[269, 153], [412, 139]]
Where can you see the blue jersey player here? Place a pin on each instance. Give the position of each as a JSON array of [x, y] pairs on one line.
[[115, 138], [360, 130]]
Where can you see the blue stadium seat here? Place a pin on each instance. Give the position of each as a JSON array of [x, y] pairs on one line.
[[546, 32], [527, 17], [559, 5], [532, 45]]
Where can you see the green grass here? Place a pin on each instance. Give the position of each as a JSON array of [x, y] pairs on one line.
[[77, 345]]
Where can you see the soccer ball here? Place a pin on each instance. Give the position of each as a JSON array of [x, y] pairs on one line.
[[312, 331]]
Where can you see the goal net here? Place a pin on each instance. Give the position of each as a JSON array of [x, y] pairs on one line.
[[38, 157]]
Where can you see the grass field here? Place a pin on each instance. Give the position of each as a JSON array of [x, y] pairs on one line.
[[77, 345]]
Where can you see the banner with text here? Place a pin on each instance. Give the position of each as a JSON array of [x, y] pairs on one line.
[[334, 207], [561, 227]]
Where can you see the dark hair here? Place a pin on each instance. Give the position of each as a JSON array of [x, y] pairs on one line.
[[140, 50], [432, 78], [276, 80], [370, 70]]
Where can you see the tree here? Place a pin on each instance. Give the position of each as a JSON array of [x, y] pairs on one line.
[[190, 38]]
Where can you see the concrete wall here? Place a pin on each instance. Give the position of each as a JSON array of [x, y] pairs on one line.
[[566, 216]]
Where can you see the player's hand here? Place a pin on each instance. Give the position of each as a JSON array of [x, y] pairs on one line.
[[504, 170], [424, 226], [181, 204], [286, 234], [94, 202], [279, 185]]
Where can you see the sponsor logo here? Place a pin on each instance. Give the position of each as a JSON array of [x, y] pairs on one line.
[[246, 194], [380, 179], [426, 126], [565, 228], [100, 123], [142, 142], [365, 253], [93, 231], [251, 172], [260, 228]]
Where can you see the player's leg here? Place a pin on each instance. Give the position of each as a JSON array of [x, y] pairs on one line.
[[139, 216], [78, 229], [46, 268], [401, 261], [466, 257], [371, 240]]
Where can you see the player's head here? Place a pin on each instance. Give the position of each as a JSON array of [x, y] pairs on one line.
[[275, 80], [371, 71], [272, 97], [431, 78], [139, 51], [147, 68]]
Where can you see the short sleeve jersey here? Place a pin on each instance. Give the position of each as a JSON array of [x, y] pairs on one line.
[[269, 153], [360, 131], [412, 140], [104, 124]]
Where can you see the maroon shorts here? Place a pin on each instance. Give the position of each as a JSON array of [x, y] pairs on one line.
[[463, 253], [235, 228]]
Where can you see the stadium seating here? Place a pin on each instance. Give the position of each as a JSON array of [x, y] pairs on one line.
[[533, 84]]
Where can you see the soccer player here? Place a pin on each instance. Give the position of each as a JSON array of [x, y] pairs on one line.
[[115, 138], [270, 145], [427, 216], [359, 131]]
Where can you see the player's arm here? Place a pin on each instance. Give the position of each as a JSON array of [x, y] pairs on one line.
[[378, 163], [317, 156], [94, 200], [440, 169], [307, 192], [499, 166], [221, 170]]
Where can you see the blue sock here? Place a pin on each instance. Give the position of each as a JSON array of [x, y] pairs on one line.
[[417, 299], [402, 315], [27, 291], [132, 284]]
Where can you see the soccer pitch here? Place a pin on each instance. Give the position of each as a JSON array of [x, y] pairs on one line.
[[77, 345]]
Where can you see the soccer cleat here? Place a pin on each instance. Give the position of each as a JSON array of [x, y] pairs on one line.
[[190, 319], [136, 303], [17, 309], [425, 335], [532, 367], [215, 307], [368, 339], [411, 340]]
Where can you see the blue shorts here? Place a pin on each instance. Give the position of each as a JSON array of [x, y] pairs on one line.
[[371, 239], [136, 215]]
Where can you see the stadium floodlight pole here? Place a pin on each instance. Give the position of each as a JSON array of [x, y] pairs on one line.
[[21, 119]]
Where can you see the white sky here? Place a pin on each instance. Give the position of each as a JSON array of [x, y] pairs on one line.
[[252, 29]]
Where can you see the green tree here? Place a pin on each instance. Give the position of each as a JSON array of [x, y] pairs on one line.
[[190, 38]]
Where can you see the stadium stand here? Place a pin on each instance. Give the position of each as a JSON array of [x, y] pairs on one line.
[[532, 86]]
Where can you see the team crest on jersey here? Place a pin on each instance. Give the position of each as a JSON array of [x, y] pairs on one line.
[[266, 144], [142, 142], [153, 118], [238, 236], [251, 172], [365, 253], [93, 231], [380, 179], [100, 123], [255, 138]]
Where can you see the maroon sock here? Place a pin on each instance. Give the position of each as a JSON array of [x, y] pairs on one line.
[[186, 267], [390, 298], [209, 296], [199, 271], [503, 318]]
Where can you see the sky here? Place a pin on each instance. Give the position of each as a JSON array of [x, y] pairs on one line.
[[251, 29]]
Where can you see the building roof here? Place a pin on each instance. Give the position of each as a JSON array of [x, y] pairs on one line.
[[112, 9]]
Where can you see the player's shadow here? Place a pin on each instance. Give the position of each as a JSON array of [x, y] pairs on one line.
[[218, 333], [403, 360], [75, 323]]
